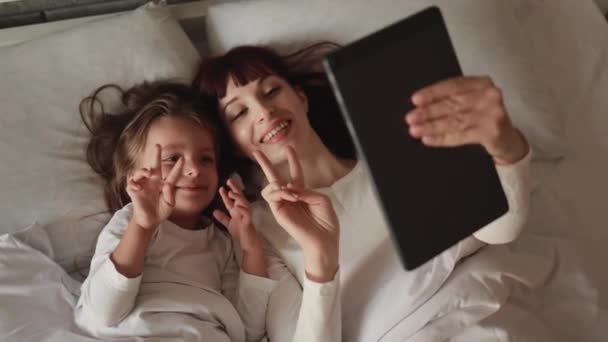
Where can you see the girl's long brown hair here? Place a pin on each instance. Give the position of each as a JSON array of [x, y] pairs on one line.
[[118, 138], [301, 68]]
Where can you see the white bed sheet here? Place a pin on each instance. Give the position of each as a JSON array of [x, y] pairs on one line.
[[568, 212], [569, 207], [37, 296]]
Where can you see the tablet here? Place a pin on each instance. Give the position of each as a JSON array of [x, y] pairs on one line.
[[431, 197]]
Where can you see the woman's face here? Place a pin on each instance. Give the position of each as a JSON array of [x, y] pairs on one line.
[[266, 114]]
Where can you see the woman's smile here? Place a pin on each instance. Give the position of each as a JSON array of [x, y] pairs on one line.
[[277, 132]]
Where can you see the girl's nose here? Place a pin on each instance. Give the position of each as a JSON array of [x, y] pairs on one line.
[[192, 169]]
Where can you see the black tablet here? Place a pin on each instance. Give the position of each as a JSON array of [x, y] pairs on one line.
[[431, 197]]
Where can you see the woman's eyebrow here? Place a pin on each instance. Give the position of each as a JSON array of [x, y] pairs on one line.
[[229, 102], [258, 81]]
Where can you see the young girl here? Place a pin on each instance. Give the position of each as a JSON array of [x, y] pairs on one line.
[[162, 269], [340, 275]]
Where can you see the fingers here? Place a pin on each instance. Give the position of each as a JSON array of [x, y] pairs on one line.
[[468, 136], [311, 197], [445, 107], [175, 173], [449, 87], [233, 186], [140, 174], [273, 193], [238, 200], [133, 185], [228, 202], [222, 217], [157, 162], [233, 198], [469, 117], [226, 221], [237, 196], [266, 166], [135, 178], [449, 124], [146, 173], [168, 189], [295, 168]]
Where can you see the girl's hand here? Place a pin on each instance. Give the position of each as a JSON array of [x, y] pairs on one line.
[[307, 216], [238, 220], [466, 110], [152, 194]]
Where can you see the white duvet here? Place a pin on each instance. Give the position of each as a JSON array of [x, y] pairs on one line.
[[37, 296]]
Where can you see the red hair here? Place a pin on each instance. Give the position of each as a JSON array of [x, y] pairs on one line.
[[301, 69], [247, 63]]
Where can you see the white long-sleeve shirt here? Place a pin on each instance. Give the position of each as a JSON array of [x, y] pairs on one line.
[[372, 297], [190, 289]]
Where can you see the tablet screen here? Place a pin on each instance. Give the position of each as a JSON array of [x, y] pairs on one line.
[[431, 197]]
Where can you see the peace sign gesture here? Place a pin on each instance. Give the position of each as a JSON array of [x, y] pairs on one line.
[[152, 194], [308, 216], [238, 220]]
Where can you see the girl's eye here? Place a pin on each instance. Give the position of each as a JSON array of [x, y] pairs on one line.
[[171, 159], [208, 160]]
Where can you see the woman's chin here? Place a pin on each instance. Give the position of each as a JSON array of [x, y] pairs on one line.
[[276, 152]]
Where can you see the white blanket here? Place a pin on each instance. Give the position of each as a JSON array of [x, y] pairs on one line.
[[37, 296]]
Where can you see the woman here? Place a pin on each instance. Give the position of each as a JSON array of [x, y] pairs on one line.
[[331, 247]]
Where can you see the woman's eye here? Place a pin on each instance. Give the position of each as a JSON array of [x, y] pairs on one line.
[[272, 91], [238, 114]]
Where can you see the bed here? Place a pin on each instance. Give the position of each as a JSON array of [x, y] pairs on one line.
[[550, 57]]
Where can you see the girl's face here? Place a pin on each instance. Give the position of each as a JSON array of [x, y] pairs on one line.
[[266, 114], [182, 137]]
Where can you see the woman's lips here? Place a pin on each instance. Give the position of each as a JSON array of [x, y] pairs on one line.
[[277, 133]]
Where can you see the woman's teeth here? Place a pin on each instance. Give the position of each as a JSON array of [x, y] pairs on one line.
[[275, 131]]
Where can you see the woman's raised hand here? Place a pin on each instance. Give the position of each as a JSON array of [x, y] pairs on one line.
[[466, 110], [153, 194], [308, 216]]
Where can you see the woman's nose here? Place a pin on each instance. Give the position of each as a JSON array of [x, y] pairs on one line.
[[264, 111]]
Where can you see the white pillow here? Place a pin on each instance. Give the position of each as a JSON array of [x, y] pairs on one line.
[[487, 37], [603, 5], [571, 40], [44, 176]]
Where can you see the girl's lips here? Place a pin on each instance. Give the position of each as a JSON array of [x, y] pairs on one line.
[[192, 188]]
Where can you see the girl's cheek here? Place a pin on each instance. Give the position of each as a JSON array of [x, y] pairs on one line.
[[165, 169], [211, 173]]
